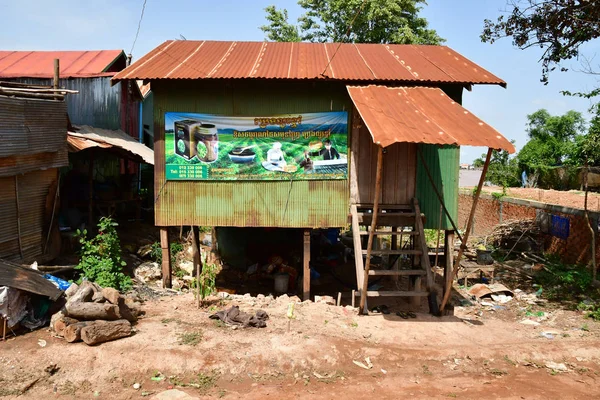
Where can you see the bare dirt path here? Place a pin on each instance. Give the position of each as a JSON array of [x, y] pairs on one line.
[[491, 355]]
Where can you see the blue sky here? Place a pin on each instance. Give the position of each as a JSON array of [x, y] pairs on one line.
[[111, 24]]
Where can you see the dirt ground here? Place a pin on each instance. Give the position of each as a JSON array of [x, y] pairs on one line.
[[571, 198], [479, 352]]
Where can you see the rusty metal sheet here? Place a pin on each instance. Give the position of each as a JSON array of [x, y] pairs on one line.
[[272, 60], [73, 64], [87, 137], [421, 115], [27, 279]]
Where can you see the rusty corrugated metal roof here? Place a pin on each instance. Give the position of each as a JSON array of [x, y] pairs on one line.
[[421, 115], [177, 59], [87, 137], [73, 64]]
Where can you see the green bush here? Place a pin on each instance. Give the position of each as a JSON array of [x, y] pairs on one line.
[[565, 281], [101, 257]]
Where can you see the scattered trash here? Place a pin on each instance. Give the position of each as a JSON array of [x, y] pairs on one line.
[[501, 298], [368, 365], [137, 386], [558, 367], [325, 299], [480, 290], [383, 309], [233, 316], [42, 343], [487, 304], [499, 308], [547, 335], [384, 371], [465, 303], [529, 322]]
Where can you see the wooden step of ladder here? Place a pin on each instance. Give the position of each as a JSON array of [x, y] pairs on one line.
[[390, 233]]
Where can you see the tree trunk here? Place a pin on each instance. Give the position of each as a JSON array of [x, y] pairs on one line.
[[112, 295], [72, 332], [62, 324], [84, 294], [92, 311], [103, 331]]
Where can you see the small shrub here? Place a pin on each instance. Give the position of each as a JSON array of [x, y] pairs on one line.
[[190, 338], [101, 256], [208, 278], [156, 252]]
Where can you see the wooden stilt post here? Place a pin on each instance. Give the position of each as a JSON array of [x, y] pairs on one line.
[[449, 253], [166, 258], [91, 194], [306, 261], [465, 238], [363, 292], [197, 261]]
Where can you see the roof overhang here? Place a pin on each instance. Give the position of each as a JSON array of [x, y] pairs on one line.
[[421, 115], [88, 137]]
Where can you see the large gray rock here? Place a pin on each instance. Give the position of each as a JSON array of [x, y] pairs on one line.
[[148, 271]]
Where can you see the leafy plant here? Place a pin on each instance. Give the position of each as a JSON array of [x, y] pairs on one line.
[[208, 276], [156, 252], [592, 310], [564, 281], [101, 256]]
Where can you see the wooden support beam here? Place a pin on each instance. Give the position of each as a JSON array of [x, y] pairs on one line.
[[363, 293], [18, 217], [465, 238], [354, 153], [197, 260], [91, 193], [449, 255], [306, 262], [166, 258], [56, 75]]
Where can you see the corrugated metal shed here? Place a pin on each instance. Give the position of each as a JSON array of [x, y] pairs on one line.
[[421, 115], [73, 64], [289, 204], [271, 60], [442, 162]]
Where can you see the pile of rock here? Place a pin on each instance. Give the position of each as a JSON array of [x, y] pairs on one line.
[[95, 315]]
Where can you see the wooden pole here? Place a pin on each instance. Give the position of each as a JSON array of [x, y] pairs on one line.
[[449, 254], [465, 238], [56, 75], [196, 259], [91, 194], [306, 261], [53, 210], [166, 258], [363, 293], [437, 246], [18, 216]]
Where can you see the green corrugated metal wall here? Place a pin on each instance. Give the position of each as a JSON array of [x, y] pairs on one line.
[[276, 204], [443, 163]]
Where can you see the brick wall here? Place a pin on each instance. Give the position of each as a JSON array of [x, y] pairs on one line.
[[491, 212]]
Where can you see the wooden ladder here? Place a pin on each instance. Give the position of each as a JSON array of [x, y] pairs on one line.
[[405, 221]]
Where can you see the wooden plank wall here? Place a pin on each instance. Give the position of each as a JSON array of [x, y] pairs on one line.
[[399, 170]]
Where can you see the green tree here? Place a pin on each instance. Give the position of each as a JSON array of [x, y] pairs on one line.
[[503, 170], [279, 29], [559, 27], [554, 140], [371, 21]]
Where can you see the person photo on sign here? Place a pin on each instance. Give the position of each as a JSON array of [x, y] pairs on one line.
[[275, 158], [328, 152]]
